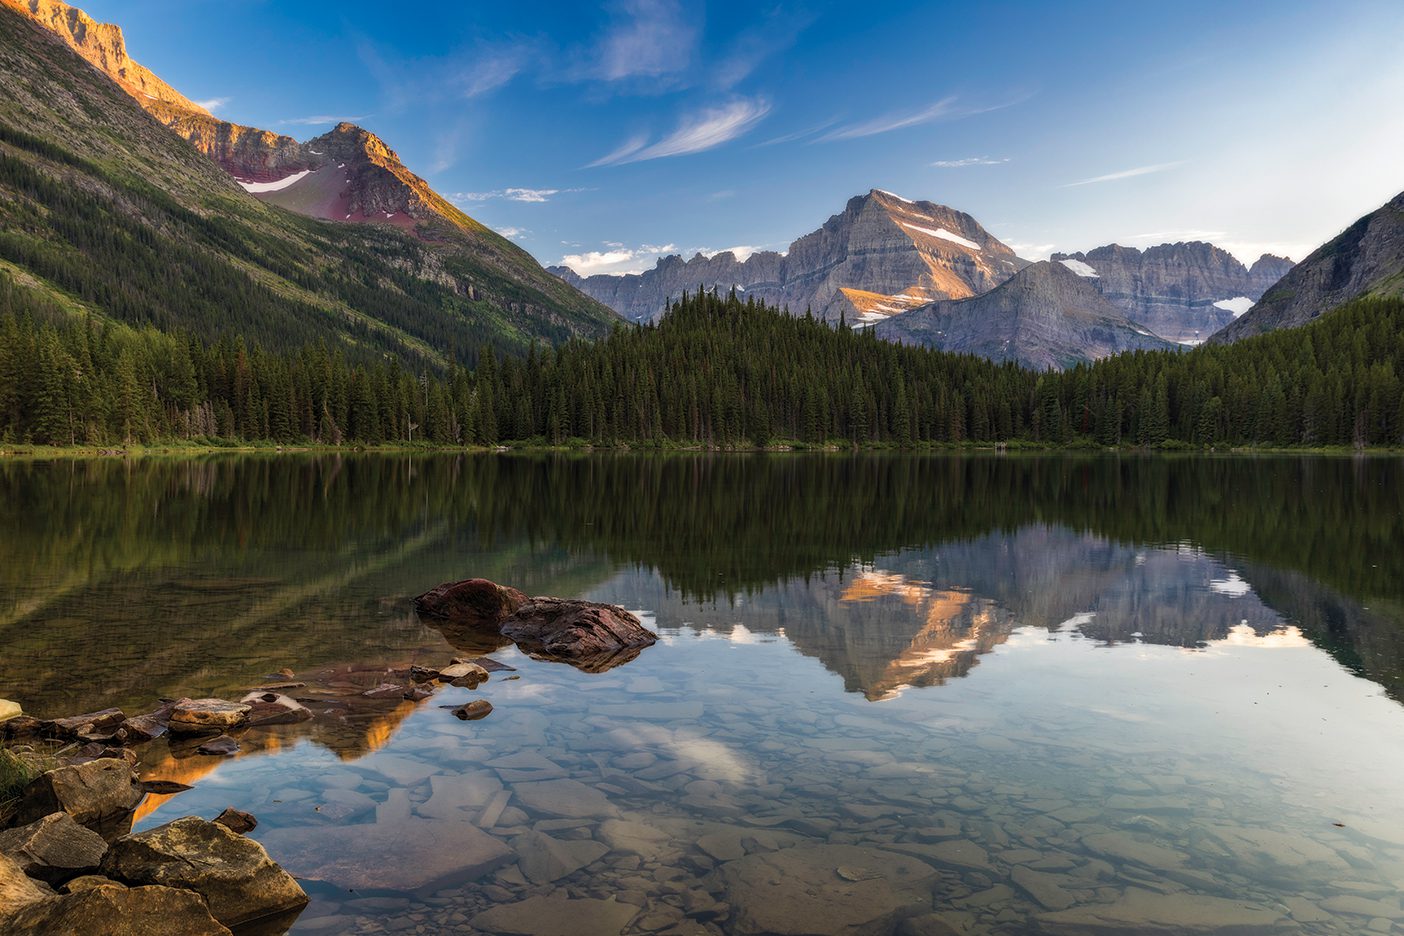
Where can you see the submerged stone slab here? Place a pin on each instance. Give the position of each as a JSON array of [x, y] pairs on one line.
[[1142, 911], [801, 891], [544, 859], [404, 856], [557, 916], [567, 798]]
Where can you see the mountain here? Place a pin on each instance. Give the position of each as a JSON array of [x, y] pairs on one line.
[[1183, 292], [882, 255], [1044, 317], [422, 279], [1367, 259]]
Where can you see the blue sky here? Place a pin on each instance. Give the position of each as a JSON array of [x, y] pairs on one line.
[[610, 134]]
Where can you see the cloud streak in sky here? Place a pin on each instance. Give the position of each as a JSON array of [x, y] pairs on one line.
[[320, 120], [701, 131], [944, 109], [213, 104], [617, 259], [648, 38], [530, 195], [968, 161], [1127, 174]]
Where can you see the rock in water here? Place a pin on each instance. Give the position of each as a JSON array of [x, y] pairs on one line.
[[1143, 911], [478, 708], [207, 716], [9, 710], [272, 708], [54, 849], [234, 874], [237, 821], [117, 911], [473, 601], [560, 628], [90, 793], [557, 916], [798, 891]]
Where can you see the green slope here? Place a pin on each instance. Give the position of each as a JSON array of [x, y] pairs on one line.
[[106, 210]]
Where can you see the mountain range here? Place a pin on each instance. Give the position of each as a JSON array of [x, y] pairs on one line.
[[412, 274], [882, 255]]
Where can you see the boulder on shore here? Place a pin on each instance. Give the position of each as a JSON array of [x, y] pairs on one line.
[[53, 849], [114, 910], [91, 792], [17, 888], [234, 875], [586, 634], [9, 710]]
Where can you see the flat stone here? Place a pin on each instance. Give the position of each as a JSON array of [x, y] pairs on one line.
[[54, 849], [567, 798], [635, 837], [1146, 912], [9, 710], [527, 765], [222, 746], [272, 708], [478, 708], [91, 793], [234, 874], [237, 821], [1123, 846], [799, 891], [1045, 888], [1267, 847], [557, 916], [207, 716], [1363, 906], [544, 859], [403, 771], [409, 855], [118, 911], [957, 853], [453, 794]]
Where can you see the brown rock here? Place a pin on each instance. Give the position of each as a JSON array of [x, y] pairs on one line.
[[223, 746], [478, 708], [17, 888], [93, 726], [237, 821], [207, 716], [146, 727], [557, 916], [474, 601], [53, 849], [272, 708], [117, 911], [565, 629], [234, 874], [163, 787], [90, 793]]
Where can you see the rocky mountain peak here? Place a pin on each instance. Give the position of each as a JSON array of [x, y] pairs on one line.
[[104, 47]]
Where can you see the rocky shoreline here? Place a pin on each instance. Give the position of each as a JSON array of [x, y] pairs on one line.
[[68, 859]]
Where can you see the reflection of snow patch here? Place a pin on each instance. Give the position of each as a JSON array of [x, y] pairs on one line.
[[1241, 635], [1076, 621], [1080, 268], [741, 634], [275, 186], [1237, 305], [941, 233], [1231, 585]]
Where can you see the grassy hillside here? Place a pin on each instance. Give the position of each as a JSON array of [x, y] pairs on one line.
[[102, 209]]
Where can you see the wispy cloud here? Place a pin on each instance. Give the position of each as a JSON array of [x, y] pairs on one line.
[[617, 259], [791, 137], [646, 39], [489, 67], [1127, 174], [890, 122], [753, 45], [512, 232], [1167, 237], [531, 195], [320, 120], [968, 161], [213, 104], [1031, 251], [701, 131]]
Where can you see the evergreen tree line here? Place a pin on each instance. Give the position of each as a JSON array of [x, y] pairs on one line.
[[716, 371]]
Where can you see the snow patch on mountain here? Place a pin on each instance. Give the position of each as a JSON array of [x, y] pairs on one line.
[[1080, 268], [941, 233], [278, 186], [895, 195], [1237, 305]]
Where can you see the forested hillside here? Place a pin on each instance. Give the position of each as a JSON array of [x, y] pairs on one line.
[[716, 372]]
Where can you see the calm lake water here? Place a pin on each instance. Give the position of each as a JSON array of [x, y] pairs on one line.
[[893, 694]]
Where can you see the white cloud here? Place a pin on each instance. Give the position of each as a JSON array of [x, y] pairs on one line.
[[701, 131], [1172, 237], [648, 38], [213, 104], [1031, 251], [890, 122], [512, 232], [530, 195], [1127, 173], [490, 67], [617, 259], [320, 120], [968, 161], [742, 251]]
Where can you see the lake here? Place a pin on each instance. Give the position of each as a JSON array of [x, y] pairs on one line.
[[926, 695]]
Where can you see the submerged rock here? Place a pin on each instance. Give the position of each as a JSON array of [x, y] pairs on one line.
[[91, 793], [53, 849], [478, 708], [557, 916], [800, 891], [474, 601], [234, 874], [207, 716], [117, 911], [1143, 911], [544, 859]]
